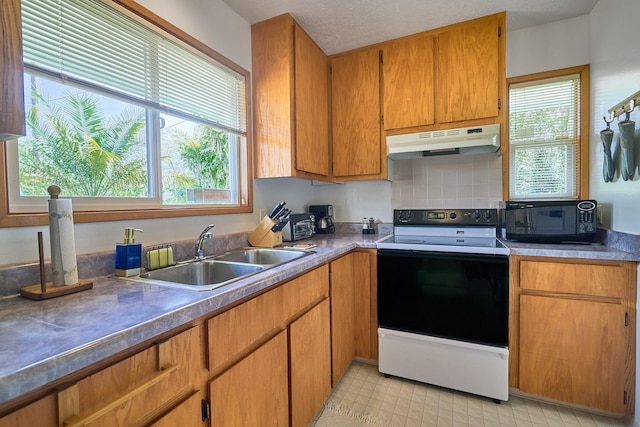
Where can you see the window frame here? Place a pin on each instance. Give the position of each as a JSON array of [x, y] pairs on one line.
[[155, 22], [582, 151]]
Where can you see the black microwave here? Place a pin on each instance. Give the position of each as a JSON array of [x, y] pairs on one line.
[[550, 221]]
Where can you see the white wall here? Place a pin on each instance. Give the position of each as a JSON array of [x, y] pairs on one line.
[[547, 47], [615, 75], [211, 22]]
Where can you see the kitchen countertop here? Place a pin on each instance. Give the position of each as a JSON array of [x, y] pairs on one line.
[[44, 341], [584, 251]]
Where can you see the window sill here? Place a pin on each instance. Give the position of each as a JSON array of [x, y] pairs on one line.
[[42, 218]]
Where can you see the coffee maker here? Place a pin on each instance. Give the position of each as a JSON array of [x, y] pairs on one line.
[[324, 218]]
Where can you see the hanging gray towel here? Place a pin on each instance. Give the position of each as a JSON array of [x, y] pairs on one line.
[[608, 167], [627, 141]]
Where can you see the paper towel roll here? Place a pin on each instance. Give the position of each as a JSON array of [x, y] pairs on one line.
[[64, 268]]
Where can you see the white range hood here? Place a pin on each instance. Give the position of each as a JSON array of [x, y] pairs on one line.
[[471, 140]]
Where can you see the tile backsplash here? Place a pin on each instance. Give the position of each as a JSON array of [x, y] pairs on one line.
[[448, 181]]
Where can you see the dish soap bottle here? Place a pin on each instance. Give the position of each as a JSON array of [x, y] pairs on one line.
[[129, 254]]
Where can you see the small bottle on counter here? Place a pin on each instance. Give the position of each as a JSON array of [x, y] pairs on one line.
[[372, 226], [129, 254], [365, 226]]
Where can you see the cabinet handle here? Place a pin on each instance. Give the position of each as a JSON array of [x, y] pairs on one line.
[[76, 421]]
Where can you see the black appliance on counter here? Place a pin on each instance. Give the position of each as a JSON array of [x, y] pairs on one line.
[[300, 226], [541, 221], [324, 218], [443, 300]]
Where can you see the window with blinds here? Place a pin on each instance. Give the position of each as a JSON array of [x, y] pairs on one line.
[[544, 136], [122, 115], [91, 43]]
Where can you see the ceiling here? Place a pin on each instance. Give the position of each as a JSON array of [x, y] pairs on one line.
[[340, 25]]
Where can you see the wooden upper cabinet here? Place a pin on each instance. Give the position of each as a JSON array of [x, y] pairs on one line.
[[408, 83], [355, 93], [12, 122], [468, 70], [312, 105], [291, 101]]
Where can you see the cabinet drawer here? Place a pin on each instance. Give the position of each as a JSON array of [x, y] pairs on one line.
[[263, 315], [136, 388], [584, 279]]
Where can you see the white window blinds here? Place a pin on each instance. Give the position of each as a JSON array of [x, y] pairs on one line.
[[92, 44], [543, 138]]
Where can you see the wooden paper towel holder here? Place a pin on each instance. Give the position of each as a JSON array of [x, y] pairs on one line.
[[46, 290]]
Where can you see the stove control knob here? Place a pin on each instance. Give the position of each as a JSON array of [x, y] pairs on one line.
[[452, 215], [487, 215], [475, 215], [405, 216]]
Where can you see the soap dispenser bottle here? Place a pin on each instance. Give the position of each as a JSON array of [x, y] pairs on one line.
[[129, 254]]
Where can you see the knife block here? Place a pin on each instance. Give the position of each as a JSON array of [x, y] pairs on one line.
[[263, 236]]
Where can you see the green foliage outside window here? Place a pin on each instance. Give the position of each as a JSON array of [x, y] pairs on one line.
[[72, 144]]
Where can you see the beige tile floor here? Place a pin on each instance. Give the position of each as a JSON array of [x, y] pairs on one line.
[[365, 398]]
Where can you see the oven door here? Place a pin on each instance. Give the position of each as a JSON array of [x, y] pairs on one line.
[[459, 296]]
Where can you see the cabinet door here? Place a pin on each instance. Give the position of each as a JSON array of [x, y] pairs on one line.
[[272, 62], [573, 350], [467, 76], [310, 361], [342, 316], [408, 86], [355, 91], [255, 391], [11, 80], [291, 101], [365, 304], [311, 105], [41, 413], [186, 414]]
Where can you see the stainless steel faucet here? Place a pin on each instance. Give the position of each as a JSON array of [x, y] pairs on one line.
[[206, 234]]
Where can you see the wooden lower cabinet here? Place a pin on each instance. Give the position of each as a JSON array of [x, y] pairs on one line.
[[138, 389], [255, 391], [284, 380], [576, 330], [265, 362], [343, 348], [186, 414], [310, 362], [573, 351], [41, 413], [365, 303]]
